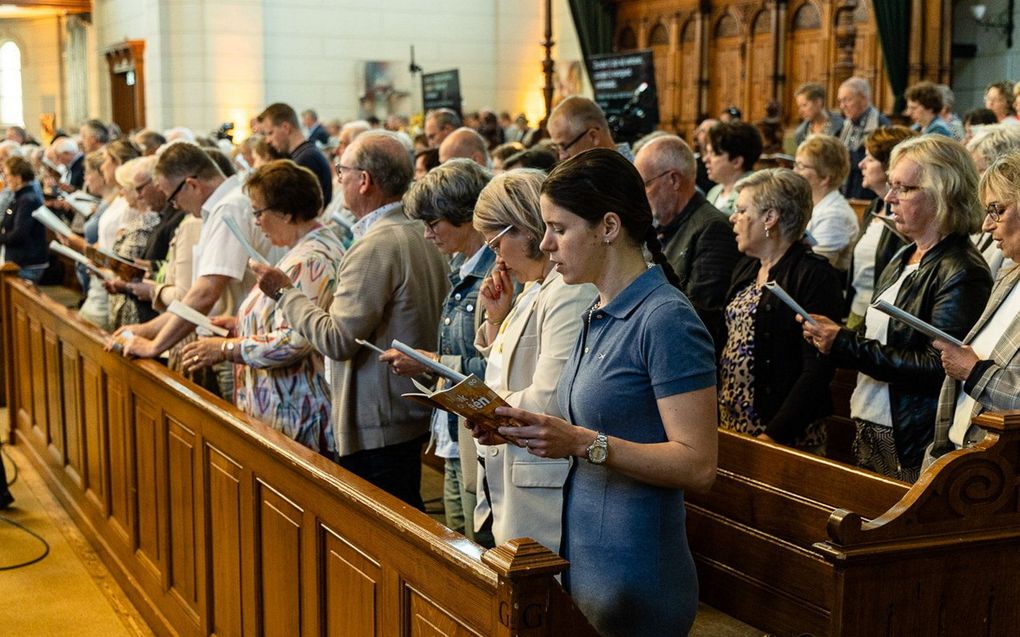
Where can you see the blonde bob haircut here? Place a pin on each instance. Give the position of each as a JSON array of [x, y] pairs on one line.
[[1002, 180], [828, 156], [949, 177], [512, 199]]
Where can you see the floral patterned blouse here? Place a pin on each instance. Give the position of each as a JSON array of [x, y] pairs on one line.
[[282, 381], [736, 365]]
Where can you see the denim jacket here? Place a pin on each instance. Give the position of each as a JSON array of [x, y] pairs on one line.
[[461, 319]]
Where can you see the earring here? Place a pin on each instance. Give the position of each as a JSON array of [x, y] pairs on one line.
[[768, 232], [607, 242]]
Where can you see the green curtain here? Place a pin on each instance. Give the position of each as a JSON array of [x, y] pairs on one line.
[[594, 23], [893, 19]]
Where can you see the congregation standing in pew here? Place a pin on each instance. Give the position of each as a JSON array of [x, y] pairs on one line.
[[526, 340], [940, 278], [860, 119], [390, 285], [772, 384], [278, 377], [444, 199], [639, 427], [984, 374], [193, 182], [989, 144]]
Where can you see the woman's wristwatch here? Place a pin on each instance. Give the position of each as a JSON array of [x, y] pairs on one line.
[[227, 347], [598, 451]]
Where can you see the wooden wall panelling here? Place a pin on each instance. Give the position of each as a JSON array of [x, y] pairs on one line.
[[663, 54], [21, 376], [761, 72], [148, 495], [688, 84], [351, 583], [806, 53], [726, 66], [122, 479], [54, 397], [73, 413], [226, 608], [97, 476], [278, 562], [182, 504], [37, 373]]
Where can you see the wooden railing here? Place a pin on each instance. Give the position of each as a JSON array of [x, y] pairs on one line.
[[215, 524]]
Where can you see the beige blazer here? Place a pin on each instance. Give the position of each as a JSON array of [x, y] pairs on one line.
[[525, 492], [390, 285]]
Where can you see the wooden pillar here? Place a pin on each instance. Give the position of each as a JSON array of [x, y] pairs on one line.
[[548, 65], [529, 602], [845, 36], [703, 23]]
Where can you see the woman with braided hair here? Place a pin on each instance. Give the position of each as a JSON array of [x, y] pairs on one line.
[[638, 397]]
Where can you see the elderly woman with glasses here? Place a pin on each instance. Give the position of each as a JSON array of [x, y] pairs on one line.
[[938, 277], [772, 385], [526, 340], [984, 373], [278, 377], [445, 198]]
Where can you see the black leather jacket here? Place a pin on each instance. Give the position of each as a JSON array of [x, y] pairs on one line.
[[948, 290], [791, 379]]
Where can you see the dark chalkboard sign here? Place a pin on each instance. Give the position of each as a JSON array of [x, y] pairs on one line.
[[441, 90], [624, 85]]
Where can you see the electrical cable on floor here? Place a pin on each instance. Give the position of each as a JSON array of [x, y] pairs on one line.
[[46, 546], [14, 465]]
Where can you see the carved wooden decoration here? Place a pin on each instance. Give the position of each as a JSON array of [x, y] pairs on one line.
[[745, 53]]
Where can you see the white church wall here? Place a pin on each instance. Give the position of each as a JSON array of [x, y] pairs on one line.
[[39, 42], [210, 61]]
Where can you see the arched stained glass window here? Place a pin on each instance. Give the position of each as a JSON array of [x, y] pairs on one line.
[[11, 108]]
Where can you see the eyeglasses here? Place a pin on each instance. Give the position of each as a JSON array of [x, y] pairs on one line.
[[562, 149], [899, 190], [172, 199], [648, 182], [802, 166], [995, 210], [494, 242], [140, 187], [257, 212], [340, 168], [431, 224]]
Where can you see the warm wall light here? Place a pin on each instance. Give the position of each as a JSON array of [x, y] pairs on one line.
[[1003, 23]]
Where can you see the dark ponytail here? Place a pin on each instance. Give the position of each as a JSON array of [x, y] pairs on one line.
[[601, 180], [659, 258]]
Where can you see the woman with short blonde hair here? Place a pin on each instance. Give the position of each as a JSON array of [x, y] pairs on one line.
[[824, 162]]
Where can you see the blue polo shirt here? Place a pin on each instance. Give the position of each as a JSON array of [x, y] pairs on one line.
[[631, 571]]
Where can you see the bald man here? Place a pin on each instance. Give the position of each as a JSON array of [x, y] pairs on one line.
[[577, 124], [467, 143]]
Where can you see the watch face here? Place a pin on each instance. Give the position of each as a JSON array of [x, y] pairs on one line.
[[598, 454]]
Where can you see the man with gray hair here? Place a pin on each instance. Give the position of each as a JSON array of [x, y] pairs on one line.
[[439, 124], [64, 151], [93, 135], [696, 237], [467, 143], [391, 285], [577, 124], [861, 119]]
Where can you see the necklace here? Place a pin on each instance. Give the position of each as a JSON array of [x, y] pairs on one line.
[[598, 304]]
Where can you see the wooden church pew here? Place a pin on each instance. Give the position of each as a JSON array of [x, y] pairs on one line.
[[215, 524], [795, 543]]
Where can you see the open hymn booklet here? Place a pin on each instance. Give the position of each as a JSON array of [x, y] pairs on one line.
[[468, 397]]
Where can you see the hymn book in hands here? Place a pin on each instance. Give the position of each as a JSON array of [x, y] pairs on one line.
[[469, 397], [783, 296], [921, 326]]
